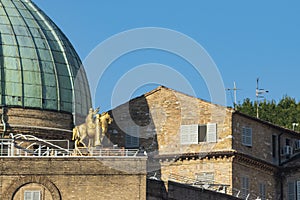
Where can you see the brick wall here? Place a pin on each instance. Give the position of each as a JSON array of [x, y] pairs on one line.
[[257, 174], [74, 178]]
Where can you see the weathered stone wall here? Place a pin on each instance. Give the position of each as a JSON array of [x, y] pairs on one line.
[[257, 173], [179, 191], [41, 118], [160, 114], [290, 175], [261, 139], [221, 167], [40, 123], [74, 178]]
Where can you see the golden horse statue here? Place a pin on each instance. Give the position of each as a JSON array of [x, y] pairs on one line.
[[95, 128], [104, 120], [87, 129]]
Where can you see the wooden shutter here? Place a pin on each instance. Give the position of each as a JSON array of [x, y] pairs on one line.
[[211, 135], [291, 191], [298, 189], [262, 191], [189, 134], [247, 136], [245, 186]]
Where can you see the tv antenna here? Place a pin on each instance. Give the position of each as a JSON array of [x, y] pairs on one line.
[[259, 94], [234, 89]]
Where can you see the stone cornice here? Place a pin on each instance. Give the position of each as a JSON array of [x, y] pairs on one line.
[[232, 155], [256, 163]]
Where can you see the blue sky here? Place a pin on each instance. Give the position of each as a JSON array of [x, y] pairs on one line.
[[246, 39]]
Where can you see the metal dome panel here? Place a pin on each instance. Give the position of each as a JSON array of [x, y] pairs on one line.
[[38, 64]]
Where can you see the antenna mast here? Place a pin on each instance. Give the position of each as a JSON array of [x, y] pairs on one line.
[[259, 94], [234, 93]]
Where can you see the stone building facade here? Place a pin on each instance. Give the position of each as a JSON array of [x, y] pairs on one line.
[[193, 138], [78, 178]]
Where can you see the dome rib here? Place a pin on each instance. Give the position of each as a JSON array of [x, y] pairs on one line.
[[19, 55], [39, 67], [38, 56], [51, 54]]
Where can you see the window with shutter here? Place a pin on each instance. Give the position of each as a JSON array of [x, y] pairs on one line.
[[247, 136], [298, 189], [189, 134], [245, 186], [291, 191], [132, 137], [202, 133], [262, 191], [194, 134], [211, 132]]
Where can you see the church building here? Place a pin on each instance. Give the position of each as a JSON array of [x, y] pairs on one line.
[[44, 92]]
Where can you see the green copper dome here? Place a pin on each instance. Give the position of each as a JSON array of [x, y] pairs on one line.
[[38, 65]]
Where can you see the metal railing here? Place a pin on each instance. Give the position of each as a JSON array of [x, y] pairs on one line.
[[16, 152], [211, 185], [205, 184], [28, 145]]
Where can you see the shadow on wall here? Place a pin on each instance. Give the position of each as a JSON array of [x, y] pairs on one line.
[[156, 190], [133, 128]]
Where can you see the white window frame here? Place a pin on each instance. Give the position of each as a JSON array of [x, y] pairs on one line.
[[247, 136], [32, 192]]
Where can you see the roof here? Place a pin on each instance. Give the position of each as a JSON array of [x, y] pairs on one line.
[[159, 88], [38, 63]]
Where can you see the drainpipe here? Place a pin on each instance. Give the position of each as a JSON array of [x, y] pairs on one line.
[[279, 164], [279, 157]]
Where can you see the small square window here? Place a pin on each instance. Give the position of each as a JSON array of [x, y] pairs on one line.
[[32, 195]]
